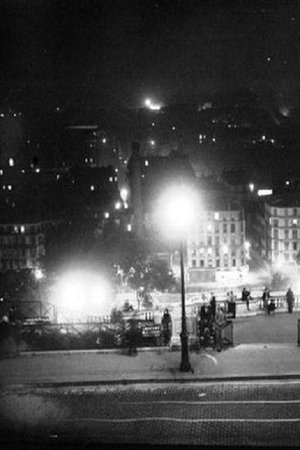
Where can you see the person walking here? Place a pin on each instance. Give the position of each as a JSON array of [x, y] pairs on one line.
[[213, 306], [246, 297], [166, 327], [266, 300], [290, 300], [219, 328]]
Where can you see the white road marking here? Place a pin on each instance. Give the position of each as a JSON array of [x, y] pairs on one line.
[[175, 419], [213, 402], [210, 357]]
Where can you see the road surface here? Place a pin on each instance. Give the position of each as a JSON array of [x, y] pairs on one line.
[[245, 413]]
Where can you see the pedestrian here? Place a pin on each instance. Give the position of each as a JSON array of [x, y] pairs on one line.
[[166, 327], [266, 300], [213, 306], [219, 328], [203, 314], [246, 297], [133, 336], [290, 300]]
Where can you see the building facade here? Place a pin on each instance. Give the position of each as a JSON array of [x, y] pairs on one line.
[[21, 245], [282, 219], [217, 249]]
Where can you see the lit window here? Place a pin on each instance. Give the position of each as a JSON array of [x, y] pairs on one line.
[[106, 215], [217, 216], [92, 187], [118, 205], [1, 172], [22, 229], [9, 187], [146, 163], [129, 227], [11, 162], [104, 140], [225, 248], [111, 179]]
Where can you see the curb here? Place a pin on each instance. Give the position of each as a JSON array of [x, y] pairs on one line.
[[91, 351], [123, 382]]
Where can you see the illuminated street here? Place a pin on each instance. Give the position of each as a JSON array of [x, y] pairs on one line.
[[257, 414]]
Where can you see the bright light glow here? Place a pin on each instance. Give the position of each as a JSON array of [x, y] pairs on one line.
[[11, 162], [38, 274], [217, 216], [81, 293], [129, 227], [225, 248], [118, 205], [106, 215], [152, 106], [104, 140], [251, 187], [124, 194], [263, 192], [146, 163], [176, 209], [152, 143], [22, 229], [247, 245], [92, 187], [287, 183]]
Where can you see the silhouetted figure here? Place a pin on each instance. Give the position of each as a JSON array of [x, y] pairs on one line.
[[133, 336], [213, 307], [246, 297], [166, 327], [290, 300]]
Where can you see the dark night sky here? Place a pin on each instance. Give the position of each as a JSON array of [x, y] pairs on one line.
[[110, 53]]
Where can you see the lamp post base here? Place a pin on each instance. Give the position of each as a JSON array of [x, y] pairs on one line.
[[185, 365]]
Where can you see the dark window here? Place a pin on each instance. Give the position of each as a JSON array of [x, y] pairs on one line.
[[201, 262], [232, 228], [224, 227], [295, 234], [294, 245]]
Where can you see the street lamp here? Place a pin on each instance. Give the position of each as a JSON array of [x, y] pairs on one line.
[[177, 211]]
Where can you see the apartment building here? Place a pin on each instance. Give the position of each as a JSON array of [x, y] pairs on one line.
[[217, 249], [21, 245]]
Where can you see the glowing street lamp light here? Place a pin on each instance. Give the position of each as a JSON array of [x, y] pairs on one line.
[[177, 212]]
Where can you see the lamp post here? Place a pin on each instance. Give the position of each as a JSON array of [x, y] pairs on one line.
[[177, 214], [185, 365]]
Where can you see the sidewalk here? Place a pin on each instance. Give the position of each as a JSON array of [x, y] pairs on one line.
[[243, 362]]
